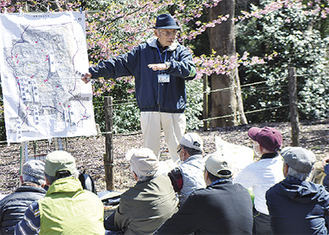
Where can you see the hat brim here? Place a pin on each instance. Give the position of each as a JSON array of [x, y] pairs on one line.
[[167, 27], [130, 153], [253, 132]]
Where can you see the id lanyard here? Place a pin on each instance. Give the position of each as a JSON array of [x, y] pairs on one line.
[[163, 77], [160, 55]]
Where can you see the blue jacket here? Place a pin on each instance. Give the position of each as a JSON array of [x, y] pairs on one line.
[[151, 95], [298, 207], [13, 207]]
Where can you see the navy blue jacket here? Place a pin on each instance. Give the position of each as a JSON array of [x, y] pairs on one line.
[[13, 206], [221, 208], [151, 95], [298, 207]]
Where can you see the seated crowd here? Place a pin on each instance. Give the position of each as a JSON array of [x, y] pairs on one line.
[[202, 195]]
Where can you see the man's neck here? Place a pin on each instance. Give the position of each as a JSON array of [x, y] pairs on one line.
[[161, 48], [30, 184]]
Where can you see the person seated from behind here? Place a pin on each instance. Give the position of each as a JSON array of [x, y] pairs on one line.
[[148, 204], [188, 176], [263, 174], [221, 208], [13, 206], [298, 206], [67, 208]]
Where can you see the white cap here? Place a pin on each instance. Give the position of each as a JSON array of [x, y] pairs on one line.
[[191, 140], [219, 165], [143, 161]]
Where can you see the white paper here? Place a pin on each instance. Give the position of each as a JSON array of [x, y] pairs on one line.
[[41, 57]]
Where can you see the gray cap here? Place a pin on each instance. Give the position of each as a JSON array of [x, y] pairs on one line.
[[143, 161], [33, 171], [299, 159], [219, 165], [191, 140]]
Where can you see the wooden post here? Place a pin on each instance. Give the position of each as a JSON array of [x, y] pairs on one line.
[[23, 158], [294, 118], [205, 101], [108, 156]]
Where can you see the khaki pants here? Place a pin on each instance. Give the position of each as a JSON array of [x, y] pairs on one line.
[[173, 126]]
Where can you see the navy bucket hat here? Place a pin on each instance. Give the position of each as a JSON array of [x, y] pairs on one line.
[[166, 21]]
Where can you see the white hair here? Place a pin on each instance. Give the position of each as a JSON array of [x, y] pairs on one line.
[[298, 175]]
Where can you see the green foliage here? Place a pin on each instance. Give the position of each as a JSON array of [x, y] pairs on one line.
[[194, 104], [125, 110], [294, 40]]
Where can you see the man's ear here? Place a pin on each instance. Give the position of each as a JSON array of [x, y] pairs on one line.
[[156, 33], [285, 169], [206, 178], [47, 182], [135, 176]]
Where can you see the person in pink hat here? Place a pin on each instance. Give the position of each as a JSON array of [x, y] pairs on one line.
[[262, 174]]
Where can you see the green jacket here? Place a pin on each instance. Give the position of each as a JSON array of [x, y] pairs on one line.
[[147, 205], [68, 209]]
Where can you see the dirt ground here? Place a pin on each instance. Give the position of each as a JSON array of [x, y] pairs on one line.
[[89, 151]]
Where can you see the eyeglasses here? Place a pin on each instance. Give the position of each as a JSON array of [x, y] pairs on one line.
[[169, 33], [180, 149]]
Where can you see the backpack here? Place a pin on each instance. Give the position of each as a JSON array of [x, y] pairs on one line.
[[87, 182]]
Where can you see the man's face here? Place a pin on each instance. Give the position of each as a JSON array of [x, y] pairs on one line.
[[166, 36]]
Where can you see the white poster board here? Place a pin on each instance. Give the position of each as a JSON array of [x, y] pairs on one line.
[[42, 57]]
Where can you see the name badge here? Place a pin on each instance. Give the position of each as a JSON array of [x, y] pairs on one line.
[[163, 78]]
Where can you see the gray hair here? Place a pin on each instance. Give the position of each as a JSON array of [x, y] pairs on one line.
[[143, 177], [32, 179], [191, 151], [298, 175]]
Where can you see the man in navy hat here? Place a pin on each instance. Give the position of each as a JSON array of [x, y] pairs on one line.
[[160, 67]]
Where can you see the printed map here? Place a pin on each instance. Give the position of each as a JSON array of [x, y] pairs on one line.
[[42, 57]]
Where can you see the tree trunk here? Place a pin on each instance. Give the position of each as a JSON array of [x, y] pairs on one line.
[[227, 102]]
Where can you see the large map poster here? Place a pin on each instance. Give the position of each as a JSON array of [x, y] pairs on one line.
[[42, 57]]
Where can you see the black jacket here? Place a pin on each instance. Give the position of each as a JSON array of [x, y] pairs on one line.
[[298, 207], [222, 208], [13, 207]]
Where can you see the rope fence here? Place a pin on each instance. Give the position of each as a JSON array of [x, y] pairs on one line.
[[127, 102]]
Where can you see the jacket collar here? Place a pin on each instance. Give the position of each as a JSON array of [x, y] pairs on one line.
[[269, 155], [221, 181], [27, 188], [193, 157], [153, 43], [67, 184]]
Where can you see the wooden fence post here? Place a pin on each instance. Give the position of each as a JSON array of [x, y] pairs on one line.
[[294, 118], [108, 156], [205, 101]]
